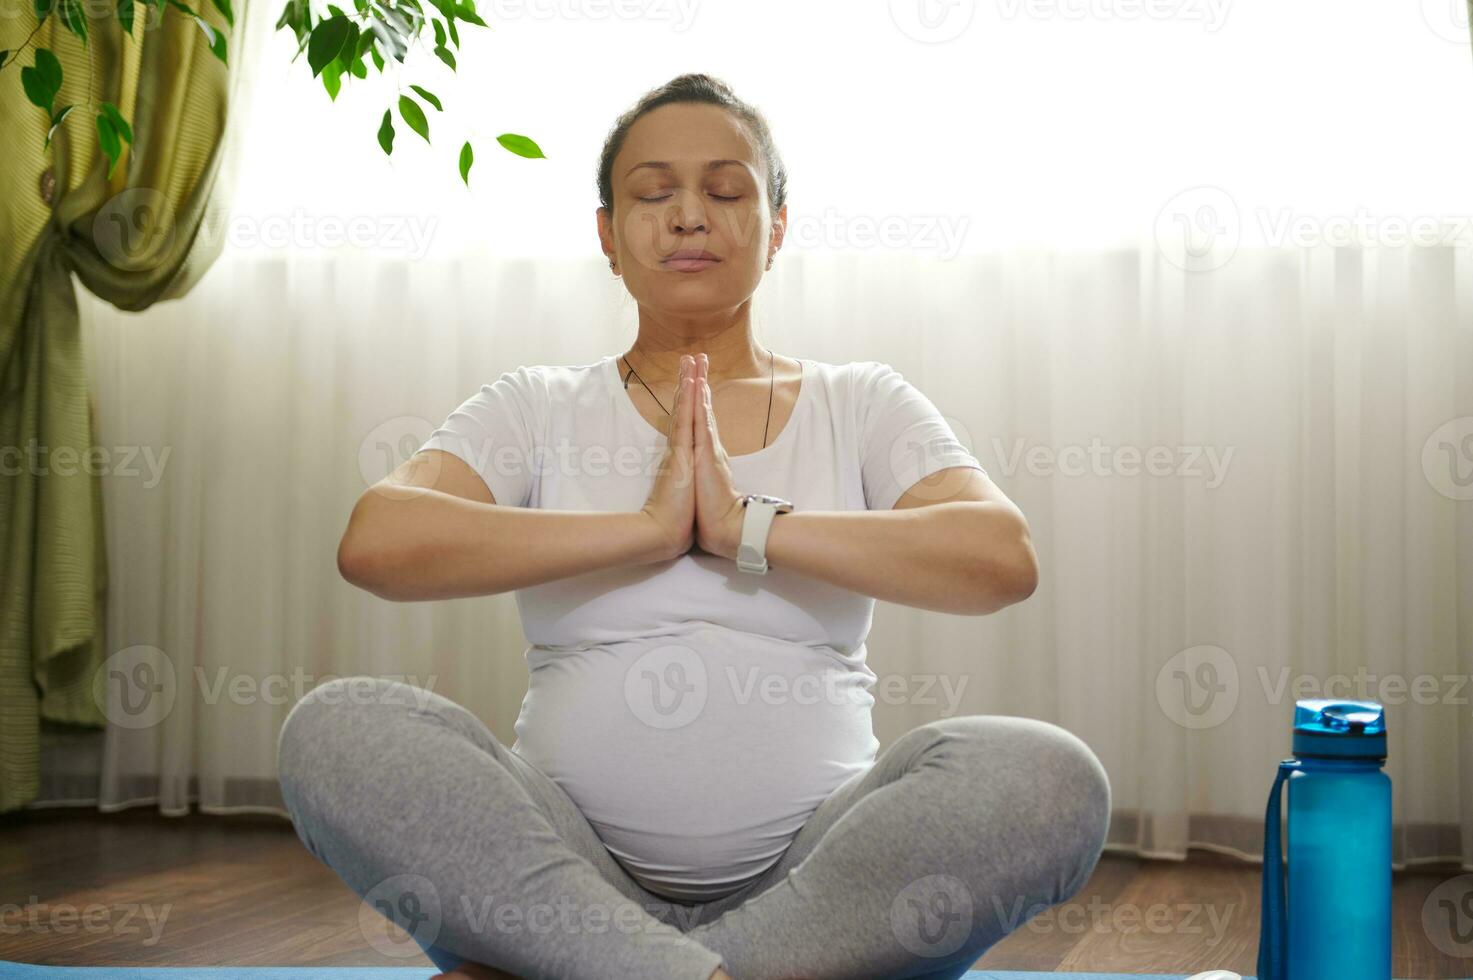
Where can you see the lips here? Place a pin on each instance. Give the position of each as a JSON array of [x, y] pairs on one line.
[[690, 260]]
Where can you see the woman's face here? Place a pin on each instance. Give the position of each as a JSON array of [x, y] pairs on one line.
[[688, 177]]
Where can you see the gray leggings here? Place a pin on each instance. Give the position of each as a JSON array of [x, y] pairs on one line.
[[962, 830]]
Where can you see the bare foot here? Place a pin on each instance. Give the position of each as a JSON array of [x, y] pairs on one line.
[[473, 971]]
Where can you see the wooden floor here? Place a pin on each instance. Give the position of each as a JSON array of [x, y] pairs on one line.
[[137, 889]]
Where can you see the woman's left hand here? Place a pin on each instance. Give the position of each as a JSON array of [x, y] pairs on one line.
[[719, 510]]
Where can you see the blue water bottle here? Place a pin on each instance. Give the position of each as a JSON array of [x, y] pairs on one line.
[[1337, 920]]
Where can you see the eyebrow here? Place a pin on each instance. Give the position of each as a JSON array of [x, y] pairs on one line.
[[662, 165]]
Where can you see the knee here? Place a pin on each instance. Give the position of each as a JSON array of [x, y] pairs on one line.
[[1038, 776], [319, 725]]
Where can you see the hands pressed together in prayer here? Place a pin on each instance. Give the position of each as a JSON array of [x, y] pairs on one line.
[[693, 500]]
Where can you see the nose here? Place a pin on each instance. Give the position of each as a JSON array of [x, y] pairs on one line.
[[686, 214]]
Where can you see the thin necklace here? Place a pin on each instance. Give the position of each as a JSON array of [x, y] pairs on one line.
[[667, 411]]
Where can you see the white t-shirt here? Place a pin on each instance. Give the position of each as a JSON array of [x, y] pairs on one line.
[[697, 714]]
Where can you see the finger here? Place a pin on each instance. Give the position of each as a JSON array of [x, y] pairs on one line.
[[701, 389], [684, 412]]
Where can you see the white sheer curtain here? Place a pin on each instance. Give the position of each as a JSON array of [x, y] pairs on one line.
[[1169, 277]]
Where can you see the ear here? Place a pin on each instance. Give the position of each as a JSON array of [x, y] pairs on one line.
[[605, 223]]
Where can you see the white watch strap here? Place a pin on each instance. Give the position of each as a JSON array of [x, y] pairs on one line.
[[752, 554]]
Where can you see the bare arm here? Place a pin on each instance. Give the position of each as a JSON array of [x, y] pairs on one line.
[[433, 530], [953, 543]]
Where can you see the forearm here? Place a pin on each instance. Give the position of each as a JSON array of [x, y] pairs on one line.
[[965, 557], [421, 544]]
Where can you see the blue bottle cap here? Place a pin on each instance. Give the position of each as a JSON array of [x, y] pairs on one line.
[[1340, 729]]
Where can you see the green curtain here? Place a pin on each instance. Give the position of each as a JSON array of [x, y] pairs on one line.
[[144, 235]]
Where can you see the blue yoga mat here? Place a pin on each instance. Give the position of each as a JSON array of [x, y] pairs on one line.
[[24, 971]]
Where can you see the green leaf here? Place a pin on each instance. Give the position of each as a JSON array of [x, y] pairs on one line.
[[392, 31], [466, 158], [107, 140], [119, 123], [467, 13], [386, 133], [414, 116], [361, 42], [49, 68], [74, 17], [439, 31], [444, 55], [522, 146], [44, 7], [225, 11], [125, 15], [42, 81], [328, 38], [454, 35], [217, 41], [56, 123], [3, 56], [214, 38], [378, 59], [428, 96], [336, 11], [297, 15], [357, 68], [332, 75]]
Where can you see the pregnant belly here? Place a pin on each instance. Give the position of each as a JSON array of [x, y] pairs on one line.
[[697, 756]]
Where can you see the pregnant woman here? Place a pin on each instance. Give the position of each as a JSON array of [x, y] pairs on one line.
[[696, 530]]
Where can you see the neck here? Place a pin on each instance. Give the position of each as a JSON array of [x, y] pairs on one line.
[[730, 354]]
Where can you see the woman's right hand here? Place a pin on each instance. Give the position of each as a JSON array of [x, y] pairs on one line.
[[672, 502]]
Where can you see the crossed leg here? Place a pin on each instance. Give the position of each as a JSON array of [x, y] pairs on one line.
[[962, 830]]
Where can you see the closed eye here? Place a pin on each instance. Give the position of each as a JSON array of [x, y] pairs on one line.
[[717, 196]]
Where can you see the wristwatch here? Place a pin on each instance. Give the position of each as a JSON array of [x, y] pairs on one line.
[[761, 509]]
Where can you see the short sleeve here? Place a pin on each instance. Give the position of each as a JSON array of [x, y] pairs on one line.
[[904, 438], [494, 432]]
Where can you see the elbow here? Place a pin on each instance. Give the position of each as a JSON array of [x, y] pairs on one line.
[[357, 563], [362, 561], [1023, 575], [1008, 574]]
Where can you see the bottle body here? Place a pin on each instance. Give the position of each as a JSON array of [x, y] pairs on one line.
[[1339, 870]]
